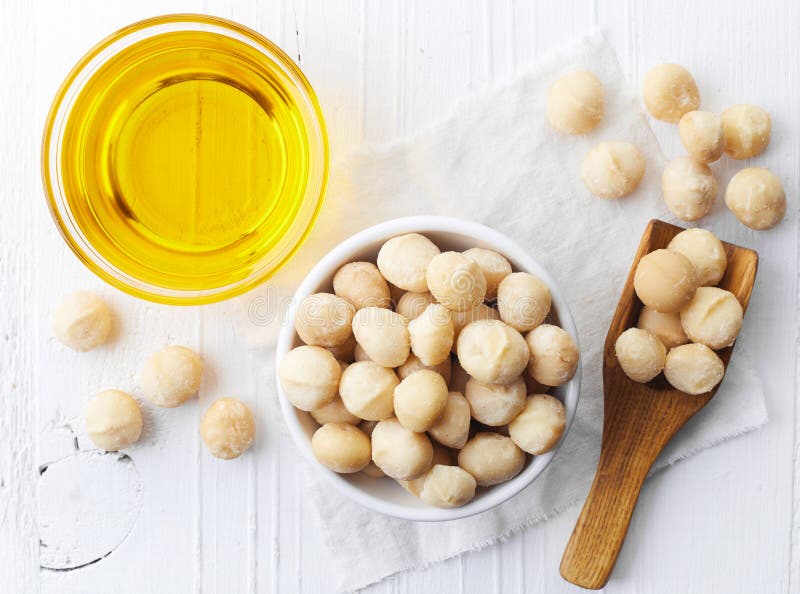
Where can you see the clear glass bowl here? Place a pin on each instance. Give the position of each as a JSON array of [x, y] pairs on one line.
[[53, 144]]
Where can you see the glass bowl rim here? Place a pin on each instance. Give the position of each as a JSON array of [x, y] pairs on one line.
[[59, 113]]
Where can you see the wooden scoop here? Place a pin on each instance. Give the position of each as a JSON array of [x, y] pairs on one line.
[[639, 421]]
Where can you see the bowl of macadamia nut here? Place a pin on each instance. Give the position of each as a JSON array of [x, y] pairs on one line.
[[429, 368]]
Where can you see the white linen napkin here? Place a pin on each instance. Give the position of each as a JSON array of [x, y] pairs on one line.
[[496, 160]]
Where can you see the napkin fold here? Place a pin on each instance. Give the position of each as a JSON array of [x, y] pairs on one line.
[[496, 160]]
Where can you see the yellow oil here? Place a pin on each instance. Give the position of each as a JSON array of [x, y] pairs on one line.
[[185, 159]]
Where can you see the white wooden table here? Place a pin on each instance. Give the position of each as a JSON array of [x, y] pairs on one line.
[[725, 521]]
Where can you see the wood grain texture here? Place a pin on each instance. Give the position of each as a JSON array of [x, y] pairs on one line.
[[640, 419], [383, 69]]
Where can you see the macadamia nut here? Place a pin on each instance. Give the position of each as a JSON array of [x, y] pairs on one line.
[[404, 260], [613, 169], [399, 452], [494, 266], [575, 103], [495, 404], [523, 301], [342, 447], [82, 321], [228, 428], [171, 376], [372, 471], [452, 428], [412, 304], [670, 92], [113, 420], [702, 135], [492, 352], [462, 318], [689, 188], [324, 319], [420, 399], [713, 317], [666, 326], [441, 456], [413, 364], [540, 425], [448, 486], [755, 195], [431, 334], [665, 280], [383, 334], [361, 284], [554, 355], [704, 251], [456, 281], [309, 377], [747, 131], [367, 390], [640, 354], [693, 368], [334, 412], [491, 458]]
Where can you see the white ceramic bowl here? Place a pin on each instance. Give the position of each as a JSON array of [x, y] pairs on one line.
[[385, 495]]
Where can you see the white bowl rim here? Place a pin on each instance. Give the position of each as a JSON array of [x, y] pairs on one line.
[[383, 231]]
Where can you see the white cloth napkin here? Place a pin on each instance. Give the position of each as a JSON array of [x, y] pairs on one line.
[[496, 160]]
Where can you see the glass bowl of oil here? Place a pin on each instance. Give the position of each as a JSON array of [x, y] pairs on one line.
[[185, 159]]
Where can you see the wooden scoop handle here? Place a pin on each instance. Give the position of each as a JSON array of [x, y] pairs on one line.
[[631, 443]]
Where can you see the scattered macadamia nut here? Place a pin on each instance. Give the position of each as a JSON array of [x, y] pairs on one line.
[[412, 304], [334, 412], [441, 456], [613, 169], [492, 352], [523, 301], [689, 188], [755, 195], [113, 420], [342, 447], [456, 281], [702, 135], [747, 131], [554, 356], [704, 251], [462, 318], [399, 452], [494, 266], [309, 377], [670, 92], [431, 334], [693, 368], [82, 321], [641, 354], [452, 428], [420, 399], [540, 425], [171, 376], [665, 280], [383, 334], [575, 103], [448, 486], [666, 326], [325, 320], [344, 352], [713, 317], [404, 260], [413, 364], [491, 458], [362, 285], [495, 404], [367, 390], [228, 428]]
